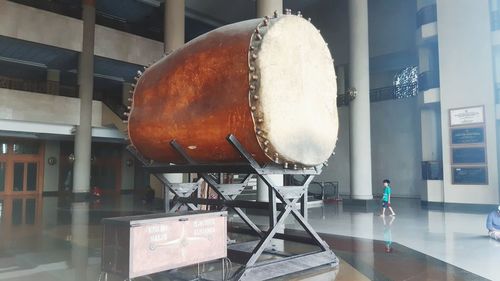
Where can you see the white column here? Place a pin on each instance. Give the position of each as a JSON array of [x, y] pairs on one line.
[[173, 25], [267, 8], [83, 137], [431, 141], [80, 240], [173, 39], [359, 78]]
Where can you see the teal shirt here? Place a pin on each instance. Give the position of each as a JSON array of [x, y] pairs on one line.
[[387, 193]]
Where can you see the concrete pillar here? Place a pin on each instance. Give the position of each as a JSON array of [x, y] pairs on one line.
[[173, 25], [359, 78], [431, 133], [341, 87], [83, 137], [173, 39], [53, 79], [80, 240], [128, 171], [267, 8]]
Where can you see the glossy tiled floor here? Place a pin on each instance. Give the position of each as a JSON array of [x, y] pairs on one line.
[[51, 239], [455, 238]]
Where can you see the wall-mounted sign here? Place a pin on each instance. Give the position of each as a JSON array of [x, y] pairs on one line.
[[468, 155], [467, 116], [470, 175], [467, 135]]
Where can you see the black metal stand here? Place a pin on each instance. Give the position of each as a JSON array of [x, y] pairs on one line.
[[249, 253]]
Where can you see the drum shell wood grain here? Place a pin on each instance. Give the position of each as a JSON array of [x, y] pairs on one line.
[[197, 96]]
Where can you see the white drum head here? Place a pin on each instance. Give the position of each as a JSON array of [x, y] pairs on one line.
[[297, 93]]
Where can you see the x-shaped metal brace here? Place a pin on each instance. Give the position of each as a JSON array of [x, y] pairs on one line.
[[215, 185], [289, 195], [183, 190]]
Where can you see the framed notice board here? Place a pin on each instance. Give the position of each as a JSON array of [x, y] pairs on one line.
[[468, 149], [467, 116], [474, 135], [470, 175], [468, 155]]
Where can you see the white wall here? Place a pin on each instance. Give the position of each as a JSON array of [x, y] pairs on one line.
[[396, 148], [338, 168], [431, 133], [466, 74], [36, 107], [51, 172], [35, 25]]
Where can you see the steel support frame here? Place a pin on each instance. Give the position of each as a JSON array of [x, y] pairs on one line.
[[180, 190], [277, 212]]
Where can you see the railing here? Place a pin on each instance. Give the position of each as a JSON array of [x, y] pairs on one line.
[[385, 93], [428, 80], [381, 94], [426, 15], [53, 88], [325, 190], [432, 170]]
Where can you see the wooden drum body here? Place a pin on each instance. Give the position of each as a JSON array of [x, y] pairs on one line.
[[270, 82]]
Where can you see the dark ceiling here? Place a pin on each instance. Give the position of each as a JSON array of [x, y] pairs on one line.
[[140, 17]]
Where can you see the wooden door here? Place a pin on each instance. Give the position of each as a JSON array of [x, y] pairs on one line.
[[21, 167]]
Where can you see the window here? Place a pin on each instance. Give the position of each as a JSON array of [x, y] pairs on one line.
[[26, 148], [3, 168], [18, 177], [406, 83]]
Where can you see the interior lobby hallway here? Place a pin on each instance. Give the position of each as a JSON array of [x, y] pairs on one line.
[[49, 238]]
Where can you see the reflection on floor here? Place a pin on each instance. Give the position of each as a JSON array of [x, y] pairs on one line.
[[372, 259], [47, 238]]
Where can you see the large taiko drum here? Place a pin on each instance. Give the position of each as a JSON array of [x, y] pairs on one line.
[[270, 82]]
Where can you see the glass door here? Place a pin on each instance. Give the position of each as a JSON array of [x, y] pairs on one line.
[[3, 171], [25, 177]]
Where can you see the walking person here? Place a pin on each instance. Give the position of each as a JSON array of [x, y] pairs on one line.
[[386, 199]]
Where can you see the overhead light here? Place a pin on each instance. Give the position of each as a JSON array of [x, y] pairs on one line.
[[28, 63], [110, 16], [104, 76], [154, 3], [109, 77], [193, 14]]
